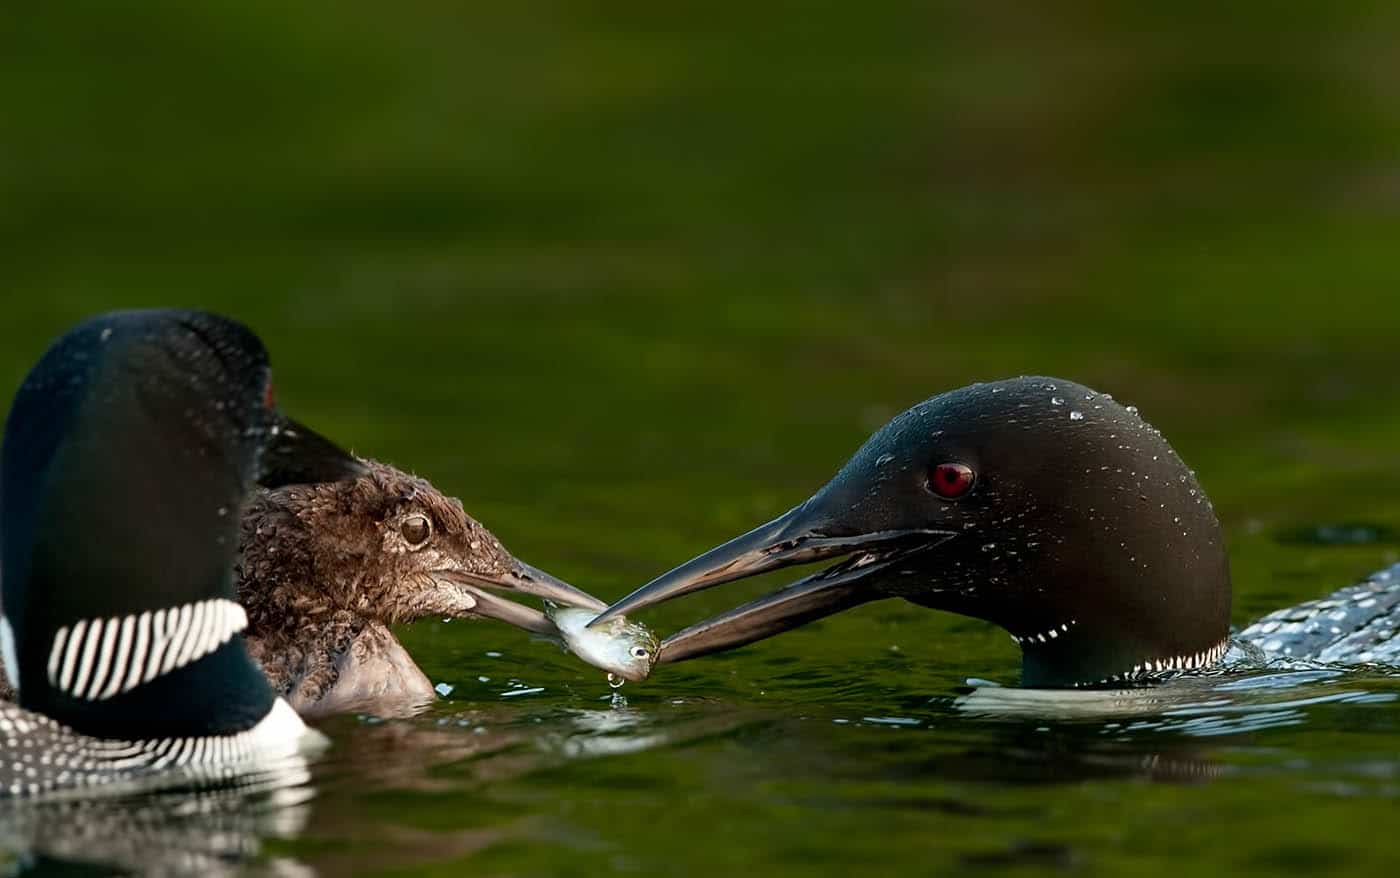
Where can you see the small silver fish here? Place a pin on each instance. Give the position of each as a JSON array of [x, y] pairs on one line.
[[625, 649]]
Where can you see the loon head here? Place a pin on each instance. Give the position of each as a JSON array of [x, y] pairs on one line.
[[1034, 503], [387, 547], [128, 452]]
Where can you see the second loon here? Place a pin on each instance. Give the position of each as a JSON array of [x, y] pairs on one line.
[[1039, 505]]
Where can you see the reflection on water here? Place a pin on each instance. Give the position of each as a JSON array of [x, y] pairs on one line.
[[201, 832], [1197, 706], [502, 781]]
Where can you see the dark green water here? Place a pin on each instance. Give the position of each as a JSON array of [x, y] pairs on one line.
[[631, 278]]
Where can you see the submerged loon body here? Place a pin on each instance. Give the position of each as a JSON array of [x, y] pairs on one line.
[[1039, 505], [125, 451]]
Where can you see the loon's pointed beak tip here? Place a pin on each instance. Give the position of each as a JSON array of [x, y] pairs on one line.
[[522, 578], [634, 601], [800, 536], [489, 606], [545, 585], [750, 554]]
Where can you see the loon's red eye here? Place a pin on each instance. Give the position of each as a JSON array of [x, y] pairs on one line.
[[951, 480], [269, 396]]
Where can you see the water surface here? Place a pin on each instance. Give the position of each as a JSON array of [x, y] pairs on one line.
[[630, 280]]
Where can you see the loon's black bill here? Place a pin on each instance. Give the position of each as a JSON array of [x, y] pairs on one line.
[[297, 455], [804, 601], [783, 542], [524, 579], [490, 606]]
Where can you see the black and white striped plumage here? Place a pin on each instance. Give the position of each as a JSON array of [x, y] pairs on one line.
[[1353, 625], [42, 756], [95, 659], [126, 449]]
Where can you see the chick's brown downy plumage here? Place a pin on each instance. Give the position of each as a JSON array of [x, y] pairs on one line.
[[326, 568]]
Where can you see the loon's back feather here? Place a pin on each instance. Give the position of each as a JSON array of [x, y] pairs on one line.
[[1353, 625]]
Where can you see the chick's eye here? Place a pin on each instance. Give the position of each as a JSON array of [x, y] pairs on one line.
[[951, 480], [416, 529]]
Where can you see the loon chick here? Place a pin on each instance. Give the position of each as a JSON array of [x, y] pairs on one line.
[[128, 451], [325, 569], [1034, 503]]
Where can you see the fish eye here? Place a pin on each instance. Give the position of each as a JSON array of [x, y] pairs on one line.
[[640, 652], [951, 480], [415, 530]]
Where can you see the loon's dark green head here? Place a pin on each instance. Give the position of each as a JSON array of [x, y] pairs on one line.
[[1034, 503], [128, 452]]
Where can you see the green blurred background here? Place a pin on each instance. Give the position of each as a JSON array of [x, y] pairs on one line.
[[629, 277], [652, 270]]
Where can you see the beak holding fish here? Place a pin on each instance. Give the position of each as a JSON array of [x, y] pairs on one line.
[[626, 650]]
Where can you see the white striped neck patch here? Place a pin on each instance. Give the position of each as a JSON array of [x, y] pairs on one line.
[[1193, 662], [95, 659]]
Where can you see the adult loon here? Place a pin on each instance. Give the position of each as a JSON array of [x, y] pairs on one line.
[[128, 451], [1039, 505]]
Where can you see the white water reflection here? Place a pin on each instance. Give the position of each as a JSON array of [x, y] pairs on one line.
[[1193, 706]]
